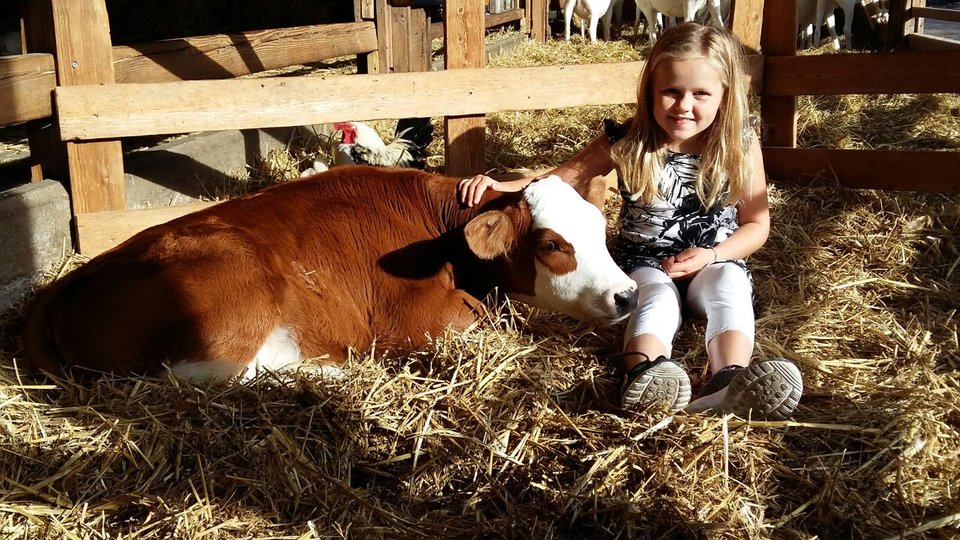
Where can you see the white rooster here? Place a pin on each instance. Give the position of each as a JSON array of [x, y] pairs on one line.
[[361, 145]]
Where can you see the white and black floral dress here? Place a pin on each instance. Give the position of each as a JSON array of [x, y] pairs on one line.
[[675, 220]]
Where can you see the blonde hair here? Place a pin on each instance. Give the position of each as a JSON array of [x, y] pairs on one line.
[[724, 162]]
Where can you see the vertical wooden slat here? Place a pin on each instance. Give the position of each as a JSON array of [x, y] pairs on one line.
[[537, 12], [898, 18], [915, 26], [411, 39], [779, 114], [367, 62], [417, 40], [400, 38], [364, 10], [746, 22], [383, 21], [84, 56], [464, 135], [48, 154], [419, 32]]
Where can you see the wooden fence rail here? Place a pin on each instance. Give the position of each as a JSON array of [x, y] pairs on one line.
[[27, 80], [225, 56], [89, 112], [26, 85]]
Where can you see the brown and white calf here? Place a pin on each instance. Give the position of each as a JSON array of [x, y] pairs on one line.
[[319, 265]]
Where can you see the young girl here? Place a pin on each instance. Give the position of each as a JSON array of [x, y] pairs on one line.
[[694, 207]]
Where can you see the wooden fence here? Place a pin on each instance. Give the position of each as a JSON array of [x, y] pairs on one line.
[[93, 112]]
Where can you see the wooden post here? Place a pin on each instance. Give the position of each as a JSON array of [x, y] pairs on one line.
[[365, 10], [538, 13], [898, 19], [84, 56], [48, 154], [779, 38], [916, 27], [464, 135], [746, 22]]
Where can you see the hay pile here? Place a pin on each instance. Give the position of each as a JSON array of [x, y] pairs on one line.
[[509, 430]]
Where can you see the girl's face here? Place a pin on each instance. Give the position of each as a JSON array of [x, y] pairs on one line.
[[686, 96]]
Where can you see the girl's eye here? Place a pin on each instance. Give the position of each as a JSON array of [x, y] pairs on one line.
[[548, 245]]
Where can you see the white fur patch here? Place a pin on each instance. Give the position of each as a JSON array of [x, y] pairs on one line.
[[587, 292], [279, 351]]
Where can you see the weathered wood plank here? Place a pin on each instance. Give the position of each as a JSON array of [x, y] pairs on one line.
[[939, 14], [892, 170], [232, 55], [26, 86], [367, 9], [400, 39], [888, 73], [926, 42], [464, 134], [48, 154], [100, 231], [104, 111], [504, 17], [538, 12], [384, 35], [84, 58], [747, 22]]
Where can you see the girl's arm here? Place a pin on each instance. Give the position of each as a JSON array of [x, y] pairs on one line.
[[592, 160], [753, 217]]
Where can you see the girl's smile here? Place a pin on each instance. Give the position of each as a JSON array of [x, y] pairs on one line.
[[687, 94]]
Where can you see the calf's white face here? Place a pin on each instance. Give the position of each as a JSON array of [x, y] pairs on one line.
[[575, 273]]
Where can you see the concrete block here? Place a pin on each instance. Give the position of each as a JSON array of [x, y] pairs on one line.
[[197, 166], [34, 235]]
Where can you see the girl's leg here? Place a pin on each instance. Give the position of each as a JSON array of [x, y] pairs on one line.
[[722, 293], [653, 324], [767, 389], [729, 348], [653, 380]]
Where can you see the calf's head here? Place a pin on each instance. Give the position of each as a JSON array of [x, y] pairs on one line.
[[555, 253]]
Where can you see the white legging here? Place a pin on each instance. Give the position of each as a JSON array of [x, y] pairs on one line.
[[721, 293]]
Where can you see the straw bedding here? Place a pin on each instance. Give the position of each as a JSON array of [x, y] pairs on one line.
[[510, 430]]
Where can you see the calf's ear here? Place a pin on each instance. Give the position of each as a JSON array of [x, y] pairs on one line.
[[594, 191], [490, 234]]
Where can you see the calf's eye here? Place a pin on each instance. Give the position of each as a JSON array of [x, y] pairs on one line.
[[548, 245]]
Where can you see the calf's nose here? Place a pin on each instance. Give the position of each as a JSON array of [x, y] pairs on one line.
[[626, 300]]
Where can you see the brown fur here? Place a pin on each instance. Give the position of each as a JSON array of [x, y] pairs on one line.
[[341, 258]]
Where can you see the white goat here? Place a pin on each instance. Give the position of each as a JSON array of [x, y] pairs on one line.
[[685, 9], [590, 13], [806, 20], [811, 14], [825, 7]]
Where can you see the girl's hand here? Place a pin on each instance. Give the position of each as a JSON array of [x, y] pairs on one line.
[[688, 262], [471, 189]]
